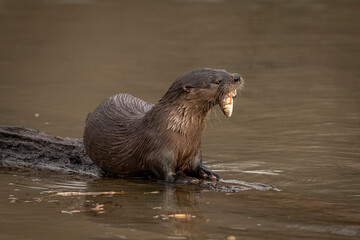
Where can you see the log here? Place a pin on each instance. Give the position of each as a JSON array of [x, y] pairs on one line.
[[30, 148]]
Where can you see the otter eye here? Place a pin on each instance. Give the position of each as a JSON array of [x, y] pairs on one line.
[[218, 82]]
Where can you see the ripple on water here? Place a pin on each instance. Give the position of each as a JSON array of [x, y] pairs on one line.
[[251, 185], [351, 231]]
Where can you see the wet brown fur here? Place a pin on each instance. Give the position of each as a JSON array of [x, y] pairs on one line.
[[130, 137]]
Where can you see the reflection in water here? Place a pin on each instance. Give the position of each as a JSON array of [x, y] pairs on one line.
[[135, 213], [295, 127], [139, 206]]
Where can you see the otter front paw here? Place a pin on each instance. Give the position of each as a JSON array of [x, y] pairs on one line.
[[206, 173], [186, 180], [171, 177]]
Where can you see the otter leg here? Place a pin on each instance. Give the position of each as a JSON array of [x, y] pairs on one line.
[[163, 168], [164, 173], [167, 174], [199, 169]]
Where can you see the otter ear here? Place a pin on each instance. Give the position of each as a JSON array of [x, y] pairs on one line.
[[188, 88]]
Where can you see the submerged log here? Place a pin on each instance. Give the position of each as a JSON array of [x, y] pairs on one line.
[[29, 148], [24, 147]]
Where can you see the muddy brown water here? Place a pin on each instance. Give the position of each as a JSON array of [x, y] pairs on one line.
[[296, 126]]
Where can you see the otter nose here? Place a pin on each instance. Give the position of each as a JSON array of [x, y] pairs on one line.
[[236, 77]]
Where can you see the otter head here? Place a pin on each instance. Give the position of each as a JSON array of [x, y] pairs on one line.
[[206, 87]]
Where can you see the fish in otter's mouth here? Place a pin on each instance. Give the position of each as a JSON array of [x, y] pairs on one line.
[[227, 103]]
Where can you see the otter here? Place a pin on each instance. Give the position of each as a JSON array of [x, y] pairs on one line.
[[129, 137]]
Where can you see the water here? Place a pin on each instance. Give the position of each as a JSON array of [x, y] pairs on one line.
[[296, 127]]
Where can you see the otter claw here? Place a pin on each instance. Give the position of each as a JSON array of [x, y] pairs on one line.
[[203, 175], [212, 177], [205, 172]]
